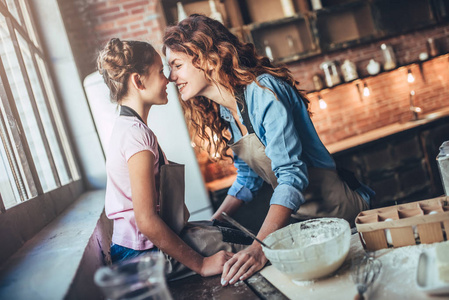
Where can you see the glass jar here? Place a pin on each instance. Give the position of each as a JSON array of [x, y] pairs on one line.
[[140, 278]]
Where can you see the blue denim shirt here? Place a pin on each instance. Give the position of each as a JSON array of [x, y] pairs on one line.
[[291, 142]]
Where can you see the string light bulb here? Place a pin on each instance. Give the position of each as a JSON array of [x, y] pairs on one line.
[[322, 103], [366, 91], [410, 77]]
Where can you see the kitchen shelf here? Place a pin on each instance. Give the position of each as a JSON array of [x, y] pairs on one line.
[[287, 38], [338, 25], [361, 78], [399, 16]]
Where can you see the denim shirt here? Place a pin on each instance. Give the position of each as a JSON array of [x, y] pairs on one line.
[[285, 129]]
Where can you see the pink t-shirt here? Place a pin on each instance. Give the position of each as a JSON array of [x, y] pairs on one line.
[[129, 136]]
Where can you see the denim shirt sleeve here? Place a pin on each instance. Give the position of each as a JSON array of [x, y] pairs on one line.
[[273, 123], [246, 183]]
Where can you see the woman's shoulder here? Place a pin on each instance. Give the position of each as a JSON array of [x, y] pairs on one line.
[[267, 83]]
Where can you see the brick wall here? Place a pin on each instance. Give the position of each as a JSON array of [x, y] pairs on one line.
[[346, 115], [91, 23]]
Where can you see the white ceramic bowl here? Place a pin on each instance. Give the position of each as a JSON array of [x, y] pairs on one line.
[[310, 249]]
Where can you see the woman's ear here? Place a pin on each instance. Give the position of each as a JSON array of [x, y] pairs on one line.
[[136, 81]]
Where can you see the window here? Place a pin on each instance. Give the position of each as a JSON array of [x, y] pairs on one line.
[[35, 156]]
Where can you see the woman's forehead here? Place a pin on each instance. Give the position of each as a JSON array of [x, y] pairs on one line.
[[172, 56]]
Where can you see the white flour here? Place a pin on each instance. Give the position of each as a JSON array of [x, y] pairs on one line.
[[399, 266]]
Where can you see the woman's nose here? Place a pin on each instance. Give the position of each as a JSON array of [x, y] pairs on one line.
[[171, 76]]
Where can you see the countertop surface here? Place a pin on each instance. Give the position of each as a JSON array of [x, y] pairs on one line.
[[397, 279], [386, 131]]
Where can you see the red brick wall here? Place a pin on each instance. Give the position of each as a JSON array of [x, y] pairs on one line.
[[388, 103], [91, 23]]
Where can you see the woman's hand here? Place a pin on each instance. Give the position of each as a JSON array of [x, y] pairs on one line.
[[243, 264], [246, 262], [213, 265]]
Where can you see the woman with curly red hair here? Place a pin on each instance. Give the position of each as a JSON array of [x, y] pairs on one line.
[[235, 98]]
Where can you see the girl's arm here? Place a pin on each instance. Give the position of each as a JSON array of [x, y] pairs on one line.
[[143, 190]]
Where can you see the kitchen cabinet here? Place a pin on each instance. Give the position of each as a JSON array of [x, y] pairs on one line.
[[400, 167], [337, 24], [289, 38], [441, 9], [395, 17], [343, 25]]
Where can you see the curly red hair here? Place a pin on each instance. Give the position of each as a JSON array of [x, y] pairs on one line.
[[234, 65]]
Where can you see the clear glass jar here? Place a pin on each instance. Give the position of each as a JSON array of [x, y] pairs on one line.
[[140, 278]]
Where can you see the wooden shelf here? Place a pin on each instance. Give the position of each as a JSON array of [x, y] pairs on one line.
[[339, 24], [418, 62]]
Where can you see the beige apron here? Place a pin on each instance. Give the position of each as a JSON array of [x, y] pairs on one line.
[[202, 236], [326, 196]]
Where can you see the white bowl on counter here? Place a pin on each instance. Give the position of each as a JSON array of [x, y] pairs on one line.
[[309, 250]]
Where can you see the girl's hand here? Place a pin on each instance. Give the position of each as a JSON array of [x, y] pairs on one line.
[[213, 265], [243, 264]]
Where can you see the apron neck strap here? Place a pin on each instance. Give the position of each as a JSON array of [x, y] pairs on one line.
[[243, 107], [127, 111]]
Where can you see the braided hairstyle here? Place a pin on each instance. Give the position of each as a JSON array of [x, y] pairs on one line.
[[119, 59]]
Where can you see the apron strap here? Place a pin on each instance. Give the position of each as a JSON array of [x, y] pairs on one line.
[[243, 107], [127, 111]]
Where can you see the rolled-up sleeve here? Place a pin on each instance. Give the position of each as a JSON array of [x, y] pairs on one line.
[[280, 137], [247, 182]]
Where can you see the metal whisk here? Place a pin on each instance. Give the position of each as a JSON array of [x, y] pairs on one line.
[[365, 270]]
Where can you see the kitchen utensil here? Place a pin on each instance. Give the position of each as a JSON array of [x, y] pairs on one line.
[[365, 269], [349, 70], [137, 278], [430, 272], [288, 8], [389, 57], [373, 67], [242, 228], [308, 250], [432, 46], [443, 165], [330, 73]]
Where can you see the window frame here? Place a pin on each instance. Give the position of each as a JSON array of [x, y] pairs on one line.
[[25, 159]]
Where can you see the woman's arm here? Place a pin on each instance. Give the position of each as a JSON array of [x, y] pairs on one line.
[[248, 261], [274, 125], [152, 226], [230, 205]]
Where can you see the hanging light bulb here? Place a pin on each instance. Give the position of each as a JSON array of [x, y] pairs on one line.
[[410, 77], [322, 103], [366, 91]]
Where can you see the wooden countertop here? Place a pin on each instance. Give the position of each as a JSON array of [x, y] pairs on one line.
[[385, 131]]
